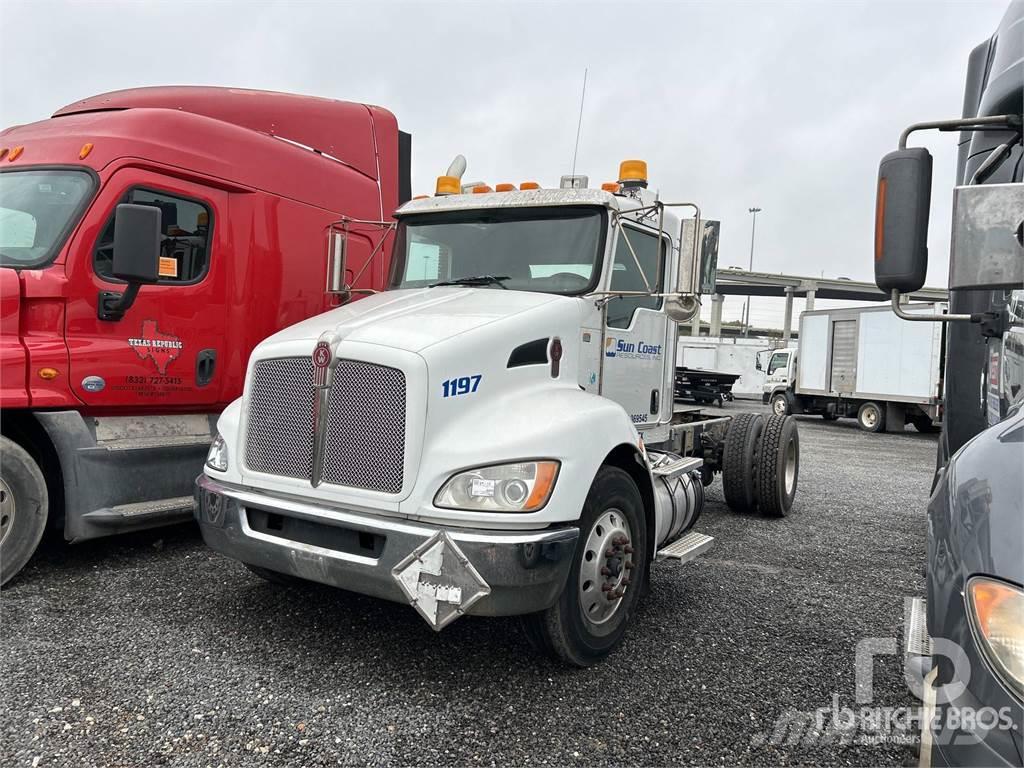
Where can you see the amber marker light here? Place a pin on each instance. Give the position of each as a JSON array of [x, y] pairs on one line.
[[15, 154], [48, 374], [85, 150]]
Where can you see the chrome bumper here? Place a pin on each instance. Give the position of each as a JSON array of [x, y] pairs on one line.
[[523, 571]]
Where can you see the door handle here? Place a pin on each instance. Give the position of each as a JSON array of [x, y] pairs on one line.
[[206, 361], [655, 404]]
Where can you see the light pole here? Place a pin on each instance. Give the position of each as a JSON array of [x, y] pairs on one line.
[[746, 309]]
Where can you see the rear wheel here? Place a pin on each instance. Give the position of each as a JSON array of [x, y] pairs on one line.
[[871, 417], [778, 466], [589, 618], [738, 461], [780, 404], [24, 505]]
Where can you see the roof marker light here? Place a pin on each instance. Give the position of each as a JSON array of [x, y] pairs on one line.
[[633, 173], [504, 187], [481, 189], [15, 154], [448, 185], [529, 185], [611, 186], [85, 150], [3, 152]]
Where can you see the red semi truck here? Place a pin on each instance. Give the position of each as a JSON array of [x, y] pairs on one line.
[[110, 382]]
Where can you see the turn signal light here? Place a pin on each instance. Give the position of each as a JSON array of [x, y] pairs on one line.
[[448, 185], [48, 374], [15, 154], [880, 218], [504, 187], [85, 150], [529, 185], [633, 170]]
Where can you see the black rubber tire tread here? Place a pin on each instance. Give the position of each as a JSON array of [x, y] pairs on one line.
[[772, 499], [560, 631], [738, 458], [880, 424], [274, 577], [28, 486]]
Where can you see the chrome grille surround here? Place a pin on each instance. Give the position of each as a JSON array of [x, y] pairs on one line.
[[366, 417]]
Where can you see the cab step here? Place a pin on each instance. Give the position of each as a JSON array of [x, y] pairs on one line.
[[165, 510], [687, 548], [916, 641]]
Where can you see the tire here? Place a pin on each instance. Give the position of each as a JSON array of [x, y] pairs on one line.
[[24, 506], [275, 577], [581, 628], [923, 424], [778, 466], [738, 461], [871, 417], [780, 404]]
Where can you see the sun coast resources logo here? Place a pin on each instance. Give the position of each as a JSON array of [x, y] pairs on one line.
[[633, 350], [161, 348]]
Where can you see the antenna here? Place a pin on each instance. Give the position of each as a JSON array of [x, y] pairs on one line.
[[579, 123]]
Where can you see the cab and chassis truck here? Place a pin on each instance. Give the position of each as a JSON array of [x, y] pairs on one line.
[[495, 434], [111, 381], [966, 641]]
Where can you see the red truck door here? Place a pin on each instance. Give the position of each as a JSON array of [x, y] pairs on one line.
[[168, 351]]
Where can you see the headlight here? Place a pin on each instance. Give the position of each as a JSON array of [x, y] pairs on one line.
[[996, 610], [217, 457], [522, 487]]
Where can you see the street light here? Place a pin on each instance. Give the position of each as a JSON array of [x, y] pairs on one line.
[[746, 310]]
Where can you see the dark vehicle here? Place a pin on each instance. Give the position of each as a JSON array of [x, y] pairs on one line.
[[974, 660]]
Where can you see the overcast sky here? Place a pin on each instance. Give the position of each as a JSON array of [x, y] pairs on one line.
[[783, 106]]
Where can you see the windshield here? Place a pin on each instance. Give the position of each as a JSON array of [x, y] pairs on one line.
[[38, 209], [547, 250]]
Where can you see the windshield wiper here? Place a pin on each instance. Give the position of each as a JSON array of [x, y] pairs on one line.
[[476, 280]]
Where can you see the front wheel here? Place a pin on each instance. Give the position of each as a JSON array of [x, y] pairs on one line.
[[780, 404], [24, 505], [589, 618]]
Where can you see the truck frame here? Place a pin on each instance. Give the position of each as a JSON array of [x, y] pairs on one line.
[[495, 434], [112, 381]]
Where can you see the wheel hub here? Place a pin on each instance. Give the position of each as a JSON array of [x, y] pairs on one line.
[[7, 510], [605, 568]]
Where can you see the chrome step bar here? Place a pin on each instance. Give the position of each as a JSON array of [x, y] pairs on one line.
[[916, 641], [687, 547]]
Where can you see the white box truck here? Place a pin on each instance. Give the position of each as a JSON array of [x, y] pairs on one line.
[[863, 363]]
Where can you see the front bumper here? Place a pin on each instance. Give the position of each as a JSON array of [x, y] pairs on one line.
[[521, 572]]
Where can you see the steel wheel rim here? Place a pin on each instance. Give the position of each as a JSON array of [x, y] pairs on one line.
[[7, 510], [604, 578], [779, 407], [870, 417], [790, 473]]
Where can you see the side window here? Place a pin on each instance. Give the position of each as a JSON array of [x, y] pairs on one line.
[[185, 241], [778, 361], [627, 277]]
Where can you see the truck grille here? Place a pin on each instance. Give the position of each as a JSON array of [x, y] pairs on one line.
[[365, 440]]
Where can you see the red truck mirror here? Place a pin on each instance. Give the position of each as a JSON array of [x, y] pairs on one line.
[[901, 220], [136, 260]]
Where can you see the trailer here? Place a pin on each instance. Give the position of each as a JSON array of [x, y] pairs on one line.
[[495, 433], [863, 363]]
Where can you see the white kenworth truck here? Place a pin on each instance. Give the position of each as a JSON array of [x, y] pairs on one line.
[[495, 434]]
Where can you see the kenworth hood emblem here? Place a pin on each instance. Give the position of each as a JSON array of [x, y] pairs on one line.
[[324, 362]]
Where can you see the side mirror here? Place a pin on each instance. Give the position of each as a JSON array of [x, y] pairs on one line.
[[757, 362], [901, 220], [337, 254], [136, 259]]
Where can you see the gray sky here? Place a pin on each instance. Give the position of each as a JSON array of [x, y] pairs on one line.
[[784, 106]]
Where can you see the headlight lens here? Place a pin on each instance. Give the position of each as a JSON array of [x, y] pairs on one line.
[[997, 615], [521, 487], [217, 457]]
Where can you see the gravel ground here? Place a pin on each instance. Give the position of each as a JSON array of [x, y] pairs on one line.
[[150, 650]]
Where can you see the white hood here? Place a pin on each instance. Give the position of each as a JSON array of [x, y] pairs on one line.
[[414, 319]]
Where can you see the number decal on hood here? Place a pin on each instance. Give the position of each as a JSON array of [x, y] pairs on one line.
[[464, 385]]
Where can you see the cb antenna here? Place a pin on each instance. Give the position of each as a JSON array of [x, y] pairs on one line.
[[579, 123]]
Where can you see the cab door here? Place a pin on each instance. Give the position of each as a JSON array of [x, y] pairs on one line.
[[636, 336], [167, 352]]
